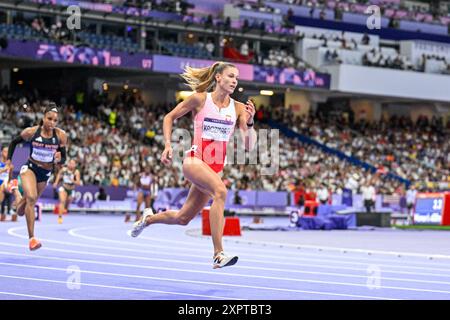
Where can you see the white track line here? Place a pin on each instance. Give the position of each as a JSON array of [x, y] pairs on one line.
[[29, 295], [121, 288], [284, 270], [73, 232], [326, 248], [250, 276], [208, 284], [268, 258]]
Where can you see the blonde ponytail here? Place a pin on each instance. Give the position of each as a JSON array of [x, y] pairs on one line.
[[203, 79]]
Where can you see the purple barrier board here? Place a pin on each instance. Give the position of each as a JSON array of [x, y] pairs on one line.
[[82, 4], [207, 6], [76, 55], [104, 7], [302, 11], [384, 1], [247, 198], [358, 18], [175, 197], [158, 63], [306, 78], [423, 27], [88, 194], [171, 197], [272, 199], [260, 16]]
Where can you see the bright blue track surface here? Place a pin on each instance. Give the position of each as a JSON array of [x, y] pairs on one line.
[[174, 262]]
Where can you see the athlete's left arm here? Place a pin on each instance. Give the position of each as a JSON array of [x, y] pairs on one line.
[[77, 178], [245, 120], [58, 177], [60, 156], [11, 169]]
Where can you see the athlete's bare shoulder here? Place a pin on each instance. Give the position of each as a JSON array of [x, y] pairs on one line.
[[62, 136], [200, 97], [60, 131], [197, 100], [239, 106], [28, 133]]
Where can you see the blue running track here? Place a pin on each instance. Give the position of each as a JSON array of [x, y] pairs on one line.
[[93, 257]]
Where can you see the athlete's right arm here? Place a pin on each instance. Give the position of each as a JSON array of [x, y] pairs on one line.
[[25, 135], [58, 177], [191, 103]]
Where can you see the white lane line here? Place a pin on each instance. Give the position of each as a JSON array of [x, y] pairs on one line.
[[269, 259], [214, 273], [120, 288], [294, 248], [73, 232], [286, 270], [209, 284], [193, 233], [29, 295]]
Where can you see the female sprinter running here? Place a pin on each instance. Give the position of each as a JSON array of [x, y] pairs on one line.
[[215, 115], [5, 177], [47, 147], [15, 188], [143, 183], [70, 178]]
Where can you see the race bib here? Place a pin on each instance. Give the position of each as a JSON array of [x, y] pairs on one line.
[[68, 179], [218, 130], [43, 155]]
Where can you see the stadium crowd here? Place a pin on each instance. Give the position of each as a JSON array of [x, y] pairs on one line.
[[125, 135]]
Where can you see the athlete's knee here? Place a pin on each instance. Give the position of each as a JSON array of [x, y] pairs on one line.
[[31, 198], [183, 220], [220, 193]]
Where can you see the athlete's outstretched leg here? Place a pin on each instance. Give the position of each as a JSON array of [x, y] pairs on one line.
[[139, 201], [30, 196], [200, 174], [205, 184], [62, 201], [195, 202], [2, 191]]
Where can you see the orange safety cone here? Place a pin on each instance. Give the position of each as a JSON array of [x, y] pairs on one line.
[[206, 228], [232, 226]]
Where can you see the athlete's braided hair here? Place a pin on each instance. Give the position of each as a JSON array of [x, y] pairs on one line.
[[50, 107]]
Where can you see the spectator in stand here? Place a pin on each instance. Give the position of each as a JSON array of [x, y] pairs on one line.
[[411, 201], [369, 196], [245, 48], [365, 39], [210, 47], [323, 194]]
